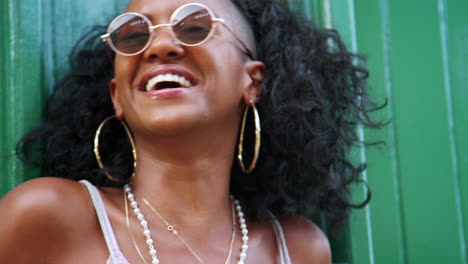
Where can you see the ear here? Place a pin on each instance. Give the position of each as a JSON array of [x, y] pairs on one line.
[[256, 72], [115, 99]]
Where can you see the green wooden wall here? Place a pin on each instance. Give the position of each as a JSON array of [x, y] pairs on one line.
[[417, 52]]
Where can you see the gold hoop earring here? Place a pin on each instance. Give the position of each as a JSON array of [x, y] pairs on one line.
[[257, 139], [98, 156]]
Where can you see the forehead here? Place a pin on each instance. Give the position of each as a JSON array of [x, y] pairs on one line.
[[162, 9]]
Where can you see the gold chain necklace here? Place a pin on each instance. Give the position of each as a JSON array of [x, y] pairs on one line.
[[171, 229]]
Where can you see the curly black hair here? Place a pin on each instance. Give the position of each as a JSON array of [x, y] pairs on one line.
[[314, 96]]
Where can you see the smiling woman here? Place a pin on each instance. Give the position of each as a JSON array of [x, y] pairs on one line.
[[146, 146]]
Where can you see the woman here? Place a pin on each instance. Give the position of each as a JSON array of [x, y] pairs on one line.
[[178, 180]]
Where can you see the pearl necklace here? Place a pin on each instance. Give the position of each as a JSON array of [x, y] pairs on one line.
[[150, 241]]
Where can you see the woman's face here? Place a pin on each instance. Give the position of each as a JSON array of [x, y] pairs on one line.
[[220, 76]]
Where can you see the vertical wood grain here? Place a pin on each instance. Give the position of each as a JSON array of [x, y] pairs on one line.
[[343, 18], [21, 81], [443, 23], [372, 28], [425, 157], [454, 29]]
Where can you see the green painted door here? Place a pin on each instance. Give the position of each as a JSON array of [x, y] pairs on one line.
[[417, 52]]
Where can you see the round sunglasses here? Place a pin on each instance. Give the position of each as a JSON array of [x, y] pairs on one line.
[[192, 24]]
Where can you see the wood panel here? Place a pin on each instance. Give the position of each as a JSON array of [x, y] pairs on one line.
[[454, 29], [417, 56], [418, 60], [424, 137], [383, 171], [21, 79]]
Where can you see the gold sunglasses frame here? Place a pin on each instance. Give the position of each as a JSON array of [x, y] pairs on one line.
[[106, 37]]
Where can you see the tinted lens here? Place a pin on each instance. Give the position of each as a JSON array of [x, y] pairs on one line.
[[192, 24], [129, 33]]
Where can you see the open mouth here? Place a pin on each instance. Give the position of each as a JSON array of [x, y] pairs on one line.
[[167, 81]]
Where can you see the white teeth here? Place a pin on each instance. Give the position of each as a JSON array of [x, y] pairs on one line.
[[153, 82]]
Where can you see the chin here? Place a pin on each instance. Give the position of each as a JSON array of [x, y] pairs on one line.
[[172, 125]]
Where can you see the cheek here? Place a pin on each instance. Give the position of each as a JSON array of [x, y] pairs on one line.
[[228, 77], [228, 72], [124, 72], [125, 69]]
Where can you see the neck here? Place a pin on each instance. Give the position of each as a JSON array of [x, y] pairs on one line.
[[182, 177]]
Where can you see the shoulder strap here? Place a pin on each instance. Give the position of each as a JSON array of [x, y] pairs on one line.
[[280, 241], [106, 226]]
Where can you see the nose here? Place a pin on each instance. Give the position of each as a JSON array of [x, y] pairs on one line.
[[164, 46]]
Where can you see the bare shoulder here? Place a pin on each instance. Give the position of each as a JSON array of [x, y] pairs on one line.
[[306, 241], [38, 216], [43, 196]]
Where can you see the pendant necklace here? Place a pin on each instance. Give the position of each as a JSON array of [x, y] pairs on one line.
[[150, 242]]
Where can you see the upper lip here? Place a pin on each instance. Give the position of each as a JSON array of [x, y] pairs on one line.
[[165, 69]]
